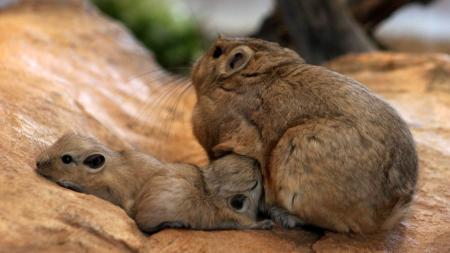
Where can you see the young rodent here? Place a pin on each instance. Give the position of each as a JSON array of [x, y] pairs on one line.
[[223, 195], [331, 152]]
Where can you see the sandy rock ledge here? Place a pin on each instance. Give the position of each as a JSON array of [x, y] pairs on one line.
[[64, 66]]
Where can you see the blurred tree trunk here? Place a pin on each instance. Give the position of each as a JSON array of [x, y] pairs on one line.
[[369, 13], [323, 29], [318, 29]]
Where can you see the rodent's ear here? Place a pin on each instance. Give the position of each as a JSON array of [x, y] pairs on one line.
[[227, 147], [222, 149], [237, 59], [95, 162]]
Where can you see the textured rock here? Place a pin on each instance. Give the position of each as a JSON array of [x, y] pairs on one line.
[[65, 67]]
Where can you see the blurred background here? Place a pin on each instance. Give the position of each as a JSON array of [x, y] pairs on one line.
[[177, 31]]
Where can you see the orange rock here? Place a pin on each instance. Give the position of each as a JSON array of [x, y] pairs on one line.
[[63, 66]]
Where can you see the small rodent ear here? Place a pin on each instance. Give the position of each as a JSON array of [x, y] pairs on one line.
[[222, 149], [237, 59], [227, 147], [95, 162]]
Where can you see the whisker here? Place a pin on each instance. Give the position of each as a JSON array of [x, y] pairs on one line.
[[162, 120], [41, 146], [166, 95], [153, 71], [157, 71], [166, 91], [156, 105], [173, 99], [174, 110]]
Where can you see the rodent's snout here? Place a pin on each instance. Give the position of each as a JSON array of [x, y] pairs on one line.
[[43, 167], [42, 164]]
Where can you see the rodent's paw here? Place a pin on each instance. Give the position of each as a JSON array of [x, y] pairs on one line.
[[291, 221], [177, 224], [167, 224], [70, 185], [265, 224], [285, 219]]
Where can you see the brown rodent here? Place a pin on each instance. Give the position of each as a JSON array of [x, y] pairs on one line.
[[223, 195], [331, 152]]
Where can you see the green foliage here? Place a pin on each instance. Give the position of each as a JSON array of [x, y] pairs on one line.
[[172, 36]]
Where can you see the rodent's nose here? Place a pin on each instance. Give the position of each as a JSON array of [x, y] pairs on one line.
[[42, 164]]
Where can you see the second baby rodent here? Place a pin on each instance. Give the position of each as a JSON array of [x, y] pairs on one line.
[[332, 153], [223, 195]]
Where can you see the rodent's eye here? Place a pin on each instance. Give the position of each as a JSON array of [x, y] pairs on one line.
[[217, 52], [237, 201], [94, 161], [66, 159]]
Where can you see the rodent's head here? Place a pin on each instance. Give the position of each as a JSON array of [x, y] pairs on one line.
[[243, 58], [75, 162], [229, 80], [235, 184]]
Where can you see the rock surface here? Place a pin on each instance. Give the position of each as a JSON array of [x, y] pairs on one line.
[[63, 66]]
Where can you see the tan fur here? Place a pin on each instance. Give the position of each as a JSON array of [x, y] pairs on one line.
[[332, 153], [159, 195]]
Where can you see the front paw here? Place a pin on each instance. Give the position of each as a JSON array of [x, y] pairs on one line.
[[264, 225], [285, 219], [167, 224]]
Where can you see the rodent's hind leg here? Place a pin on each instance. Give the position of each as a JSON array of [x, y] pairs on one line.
[[166, 224], [284, 218]]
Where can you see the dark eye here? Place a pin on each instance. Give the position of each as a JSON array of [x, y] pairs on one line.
[[94, 161], [66, 159], [217, 52], [237, 201]]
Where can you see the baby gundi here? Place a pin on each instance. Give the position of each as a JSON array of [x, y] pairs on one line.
[[223, 195], [332, 153]]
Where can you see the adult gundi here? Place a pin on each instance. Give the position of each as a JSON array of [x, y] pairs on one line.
[[332, 153]]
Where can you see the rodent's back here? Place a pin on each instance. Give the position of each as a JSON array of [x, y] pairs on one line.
[[371, 152], [174, 193], [376, 121], [200, 198]]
